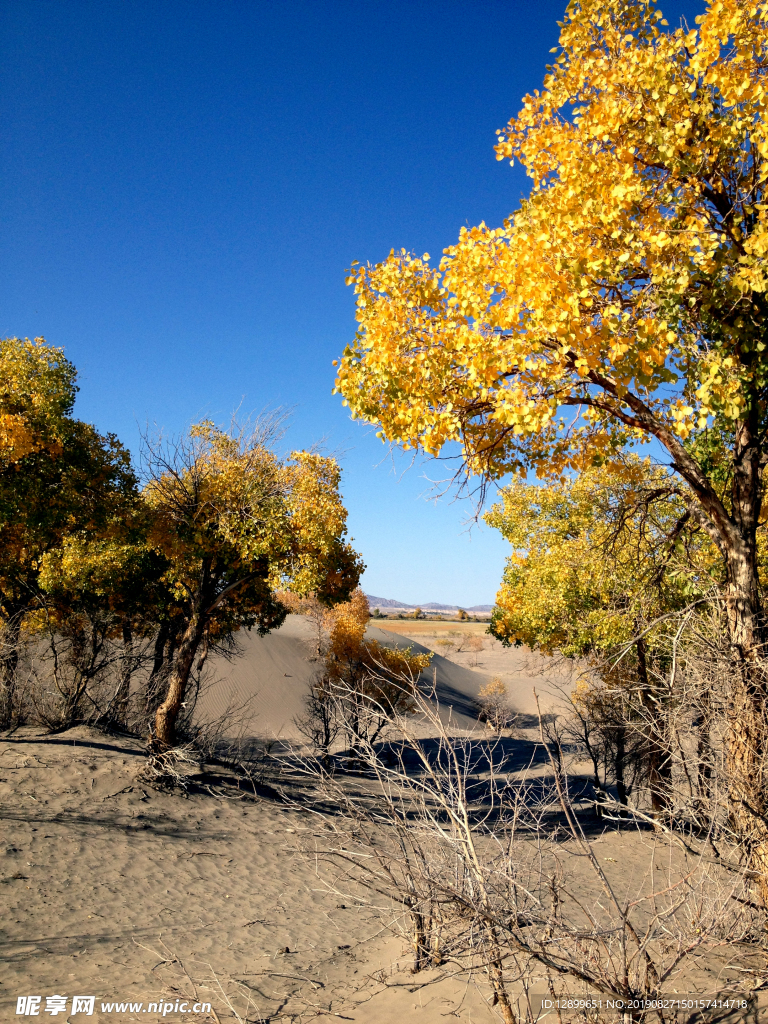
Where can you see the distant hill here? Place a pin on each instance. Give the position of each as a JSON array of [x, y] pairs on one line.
[[385, 602]]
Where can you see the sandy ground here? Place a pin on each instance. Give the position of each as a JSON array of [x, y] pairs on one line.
[[115, 890], [268, 681]]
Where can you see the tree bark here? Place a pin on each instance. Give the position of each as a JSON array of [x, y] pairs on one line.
[[658, 755], [159, 652], [9, 663], [165, 718], [420, 950], [619, 762], [748, 732], [496, 977], [122, 693]]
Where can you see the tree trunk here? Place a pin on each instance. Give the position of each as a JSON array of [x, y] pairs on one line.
[[159, 652], [119, 713], [435, 925], [166, 715], [658, 755], [9, 663], [420, 950], [747, 740], [748, 733], [619, 762], [496, 977], [156, 687]]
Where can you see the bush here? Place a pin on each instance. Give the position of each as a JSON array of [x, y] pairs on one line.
[[495, 709]]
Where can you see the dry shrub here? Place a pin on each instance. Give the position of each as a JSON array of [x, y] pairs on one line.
[[321, 722], [175, 768], [14, 673], [491, 873], [469, 642], [360, 689], [77, 672], [495, 708], [663, 750]]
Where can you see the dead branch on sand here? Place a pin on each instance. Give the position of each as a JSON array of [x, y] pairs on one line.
[[490, 872]]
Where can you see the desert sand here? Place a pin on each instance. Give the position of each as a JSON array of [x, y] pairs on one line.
[[272, 673], [116, 890]]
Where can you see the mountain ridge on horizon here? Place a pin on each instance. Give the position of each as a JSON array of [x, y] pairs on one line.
[[385, 602]]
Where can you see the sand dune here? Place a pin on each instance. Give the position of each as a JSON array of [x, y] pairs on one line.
[[272, 674]]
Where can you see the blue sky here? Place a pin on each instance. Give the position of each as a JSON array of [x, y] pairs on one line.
[[186, 183]]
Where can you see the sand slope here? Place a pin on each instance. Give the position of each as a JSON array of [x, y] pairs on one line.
[[270, 678]]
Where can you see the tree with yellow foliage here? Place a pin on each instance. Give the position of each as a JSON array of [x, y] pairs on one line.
[[369, 682], [594, 563], [495, 706], [595, 569], [624, 303], [37, 391], [58, 477], [235, 523]]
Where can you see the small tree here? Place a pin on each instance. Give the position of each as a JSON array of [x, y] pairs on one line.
[[364, 686], [236, 523], [495, 707], [469, 642]]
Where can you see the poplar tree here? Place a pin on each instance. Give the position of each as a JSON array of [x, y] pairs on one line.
[[623, 303], [236, 524]]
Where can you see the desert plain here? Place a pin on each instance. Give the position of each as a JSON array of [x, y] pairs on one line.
[[133, 895]]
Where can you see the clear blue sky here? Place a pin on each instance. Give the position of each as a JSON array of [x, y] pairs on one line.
[[186, 183]]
